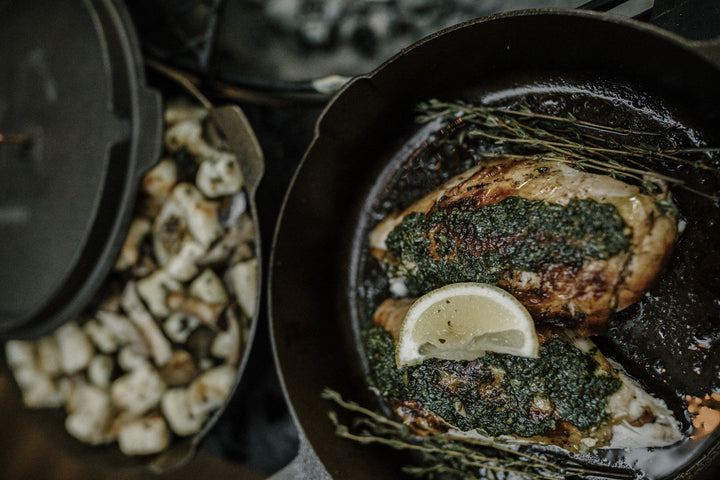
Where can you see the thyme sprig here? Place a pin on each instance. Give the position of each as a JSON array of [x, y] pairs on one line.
[[454, 456], [615, 151]]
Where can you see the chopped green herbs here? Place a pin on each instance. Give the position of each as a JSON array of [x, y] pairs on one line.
[[442, 247], [499, 394]]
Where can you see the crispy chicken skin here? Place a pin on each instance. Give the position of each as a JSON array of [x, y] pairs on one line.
[[581, 296], [633, 417]]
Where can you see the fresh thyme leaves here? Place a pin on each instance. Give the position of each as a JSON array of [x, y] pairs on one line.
[[585, 145], [450, 456]]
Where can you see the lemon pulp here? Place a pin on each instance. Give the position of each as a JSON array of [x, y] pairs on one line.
[[462, 321]]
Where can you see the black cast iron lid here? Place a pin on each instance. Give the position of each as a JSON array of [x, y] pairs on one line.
[[70, 79]]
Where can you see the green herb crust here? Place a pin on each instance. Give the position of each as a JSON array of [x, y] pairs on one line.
[[442, 247], [499, 394]]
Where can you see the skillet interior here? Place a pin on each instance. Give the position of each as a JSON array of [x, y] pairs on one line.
[[321, 292]]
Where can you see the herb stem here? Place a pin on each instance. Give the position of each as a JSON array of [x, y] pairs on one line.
[[571, 120], [521, 130], [462, 456], [467, 452], [329, 394], [557, 146]]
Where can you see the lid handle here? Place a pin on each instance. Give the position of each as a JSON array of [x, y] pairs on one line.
[[150, 129]]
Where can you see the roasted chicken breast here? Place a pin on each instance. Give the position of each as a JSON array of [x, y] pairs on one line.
[[572, 246], [571, 396]]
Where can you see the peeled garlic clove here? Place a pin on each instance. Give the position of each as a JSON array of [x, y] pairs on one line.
[[130, 359], [187, 134], [236, 237], [219, 175], [76, 349], [100, 370], [203, 222], [176, 409], [138, 391], [144, 436], [89, 409], [122, 329], [103, 339], [160, 180], [130, 251], [19, 353], [207, 313], [154, 289], [182, 266], [178, 326], [37, 387], [242, 279], [210, 390], [48, 355], [227, 343], [208, 287], [158, 344], [170, 231], [180, 113]]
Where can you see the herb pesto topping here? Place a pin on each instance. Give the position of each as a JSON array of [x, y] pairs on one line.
[[499, 394], [442, 247]]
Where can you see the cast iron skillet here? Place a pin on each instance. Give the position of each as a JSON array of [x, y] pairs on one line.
[[235, 128], [320, 291], [117, 56]]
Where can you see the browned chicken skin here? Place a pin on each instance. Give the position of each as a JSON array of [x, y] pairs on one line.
[[632, 417], [580, 294]]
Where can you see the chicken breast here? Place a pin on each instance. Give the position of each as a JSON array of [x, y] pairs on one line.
[[572, 246], [571, 396]]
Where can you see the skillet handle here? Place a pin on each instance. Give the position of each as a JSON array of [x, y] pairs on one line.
[[305, 465], [692, 19], [695, 20], [150, 126]]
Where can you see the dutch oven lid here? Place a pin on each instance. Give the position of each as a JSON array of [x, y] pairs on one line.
[[71, 79]]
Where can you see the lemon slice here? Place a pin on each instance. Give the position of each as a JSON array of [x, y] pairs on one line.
[[462, 321]]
